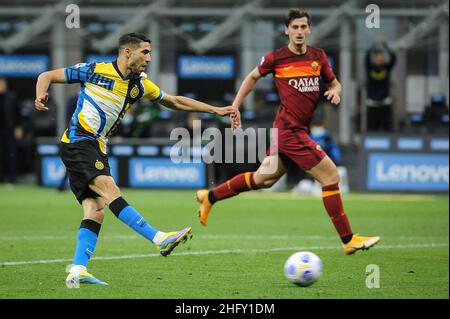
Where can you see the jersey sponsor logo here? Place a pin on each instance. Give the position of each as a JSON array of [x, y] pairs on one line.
[[134, 92], [99, 165], [303, 85]]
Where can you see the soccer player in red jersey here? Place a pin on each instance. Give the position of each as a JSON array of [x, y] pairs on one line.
[[296, 68]]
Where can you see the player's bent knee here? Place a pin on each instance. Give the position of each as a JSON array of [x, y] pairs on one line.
[[96, 216], [263, 180], [100, 215], [268, 182], [335, 178], [331, 179], [93, 209]]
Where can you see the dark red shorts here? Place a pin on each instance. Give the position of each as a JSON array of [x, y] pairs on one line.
[[295, 146]]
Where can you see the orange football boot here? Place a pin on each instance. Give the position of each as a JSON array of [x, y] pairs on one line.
[[204, 206], [359, 243]]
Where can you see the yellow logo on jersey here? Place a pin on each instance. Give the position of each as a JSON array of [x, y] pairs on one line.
[[318, 147], [378, 75], [315, 65], [99, 165], [134, 92]]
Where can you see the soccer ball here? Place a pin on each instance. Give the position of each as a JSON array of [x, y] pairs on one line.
[[303, 268]]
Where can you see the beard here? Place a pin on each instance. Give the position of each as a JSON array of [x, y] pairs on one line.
[[134, 66]]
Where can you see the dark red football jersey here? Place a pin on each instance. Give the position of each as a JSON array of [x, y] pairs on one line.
[[297, 81]]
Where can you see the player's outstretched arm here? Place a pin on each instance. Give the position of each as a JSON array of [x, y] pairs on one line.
[[246, 87], [43, 83], [183, 103], [333, 94]]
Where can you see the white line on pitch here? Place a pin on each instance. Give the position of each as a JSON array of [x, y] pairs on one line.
[[205, 236], [216, 252]]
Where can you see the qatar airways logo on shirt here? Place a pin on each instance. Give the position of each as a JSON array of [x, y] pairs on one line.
[[309, 84]]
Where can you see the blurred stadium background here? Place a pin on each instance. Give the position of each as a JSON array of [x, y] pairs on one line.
[[231, 37]]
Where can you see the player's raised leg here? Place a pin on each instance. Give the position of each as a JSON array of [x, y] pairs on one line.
[[86, 242], [166, 242], [269, 172], [327, 175]]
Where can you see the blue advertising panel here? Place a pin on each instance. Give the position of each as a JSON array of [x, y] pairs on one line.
[[100, 58], [114, 168], [163, 173], [205, 67], [439, 144], [407, 172], [48, 149], [53, 170], [410, 143], [122, 150], [377, 143], [26, 65], [148, 150]]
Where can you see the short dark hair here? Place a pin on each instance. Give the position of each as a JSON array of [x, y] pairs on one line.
[[133, 39], [296, 13]]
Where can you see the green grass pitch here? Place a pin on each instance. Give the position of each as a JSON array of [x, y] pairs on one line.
[[239, 255]]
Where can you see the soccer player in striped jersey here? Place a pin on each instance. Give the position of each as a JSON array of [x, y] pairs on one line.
[[107, 92], [297, 69]]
